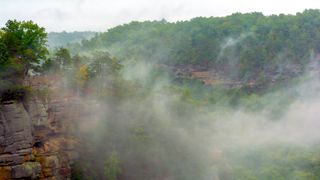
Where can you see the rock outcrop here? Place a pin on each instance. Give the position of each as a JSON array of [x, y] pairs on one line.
[[16, 159], [35, 138]]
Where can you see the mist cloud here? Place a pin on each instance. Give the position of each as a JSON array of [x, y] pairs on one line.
[[160, 134]]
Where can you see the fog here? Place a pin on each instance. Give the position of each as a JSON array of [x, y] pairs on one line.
[[155, 132], [146, 115]]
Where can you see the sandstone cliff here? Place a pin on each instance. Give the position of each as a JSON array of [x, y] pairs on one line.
[[36, 139]]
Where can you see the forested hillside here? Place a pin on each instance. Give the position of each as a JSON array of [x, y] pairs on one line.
[[245, 46]]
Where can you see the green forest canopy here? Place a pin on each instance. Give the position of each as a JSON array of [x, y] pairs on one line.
[[252, 44]]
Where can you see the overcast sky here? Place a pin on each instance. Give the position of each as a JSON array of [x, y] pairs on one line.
[[99, 15]]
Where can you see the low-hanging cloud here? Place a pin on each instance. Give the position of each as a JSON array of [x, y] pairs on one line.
[[160, 135]]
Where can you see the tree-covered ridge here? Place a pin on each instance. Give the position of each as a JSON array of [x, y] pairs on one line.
[[248, 46]]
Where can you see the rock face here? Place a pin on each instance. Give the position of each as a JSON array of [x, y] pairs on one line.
[[35, 139], [16, 143]]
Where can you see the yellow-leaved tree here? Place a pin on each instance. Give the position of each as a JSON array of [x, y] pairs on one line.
[[82, 76]]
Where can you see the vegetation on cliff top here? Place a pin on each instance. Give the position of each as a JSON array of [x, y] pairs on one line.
[[22, 48]]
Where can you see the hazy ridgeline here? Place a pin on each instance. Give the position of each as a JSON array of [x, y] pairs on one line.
[[57, 39]]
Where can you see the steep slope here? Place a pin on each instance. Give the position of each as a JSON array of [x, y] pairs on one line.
[[36, 135]]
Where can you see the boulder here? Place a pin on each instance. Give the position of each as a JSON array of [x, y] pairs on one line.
[[26, 170]]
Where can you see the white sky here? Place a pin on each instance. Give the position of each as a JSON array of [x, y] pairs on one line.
[[99, 15]]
